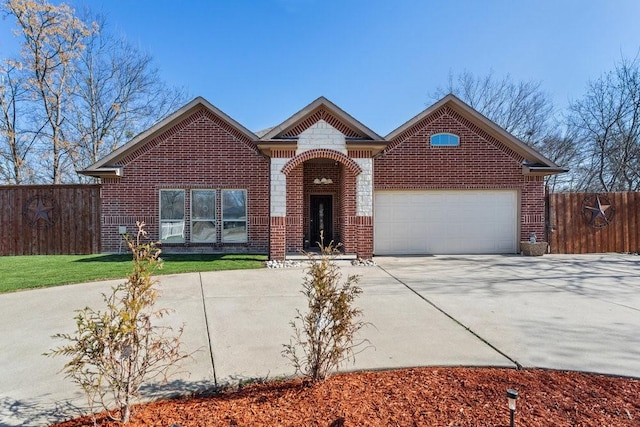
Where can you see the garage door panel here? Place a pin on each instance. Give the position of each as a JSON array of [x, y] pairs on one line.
[[445, 222]]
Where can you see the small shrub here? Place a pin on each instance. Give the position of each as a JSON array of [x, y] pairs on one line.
[[325, 335], [115, 351]]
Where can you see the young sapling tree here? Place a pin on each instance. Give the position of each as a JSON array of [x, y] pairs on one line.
[[325, 336], [116, 350]]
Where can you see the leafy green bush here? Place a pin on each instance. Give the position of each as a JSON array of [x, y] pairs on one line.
[[115, 351], [325, 335]]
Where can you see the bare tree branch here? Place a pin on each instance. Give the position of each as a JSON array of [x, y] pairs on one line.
[[607, 121], [52, 39], [522, 109], [119, 94]]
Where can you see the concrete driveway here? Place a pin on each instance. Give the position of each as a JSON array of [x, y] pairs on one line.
[[562, 312]]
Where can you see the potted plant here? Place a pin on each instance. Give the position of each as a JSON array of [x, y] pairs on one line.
[[533, 247]]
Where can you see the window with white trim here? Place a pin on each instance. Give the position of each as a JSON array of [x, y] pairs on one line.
[[203, 216], [445, 140], [172, 216], [234, 216]]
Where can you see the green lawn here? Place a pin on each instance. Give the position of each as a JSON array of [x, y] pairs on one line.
[[24, 272]]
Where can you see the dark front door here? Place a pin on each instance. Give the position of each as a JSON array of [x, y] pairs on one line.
[[321, 212]]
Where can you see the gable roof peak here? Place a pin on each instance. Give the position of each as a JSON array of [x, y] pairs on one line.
[[321, 109], [107, 162], [474, 116]]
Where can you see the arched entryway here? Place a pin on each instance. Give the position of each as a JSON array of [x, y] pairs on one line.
[[321, 198]]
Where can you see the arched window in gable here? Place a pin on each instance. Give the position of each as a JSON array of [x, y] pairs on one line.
[[445, 139]]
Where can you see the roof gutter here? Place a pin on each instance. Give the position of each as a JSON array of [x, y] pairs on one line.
[[542, 170], [104, 172]]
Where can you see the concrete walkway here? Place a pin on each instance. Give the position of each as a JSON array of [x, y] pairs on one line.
[[561, 312]]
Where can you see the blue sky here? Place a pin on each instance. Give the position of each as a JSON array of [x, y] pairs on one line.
[[260, 61]]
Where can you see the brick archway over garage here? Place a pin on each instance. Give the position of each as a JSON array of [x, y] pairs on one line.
[[351, 165]]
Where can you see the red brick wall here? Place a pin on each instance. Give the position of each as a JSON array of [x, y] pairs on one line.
[[278, 237], [480, 162], [200, 152], [295, 200], [533, 208], [365, 236], [347, 223]]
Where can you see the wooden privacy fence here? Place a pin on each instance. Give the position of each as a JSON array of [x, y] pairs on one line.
[[582, 223], [49, 219]]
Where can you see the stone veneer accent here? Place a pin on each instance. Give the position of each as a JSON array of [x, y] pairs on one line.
[[278, 187], [321, 135], [364, 188]]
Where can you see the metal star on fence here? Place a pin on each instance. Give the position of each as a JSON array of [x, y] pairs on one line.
[[598, 211], [40, 212]]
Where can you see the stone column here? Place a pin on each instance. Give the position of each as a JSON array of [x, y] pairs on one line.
[[278, 210], [364, 208]]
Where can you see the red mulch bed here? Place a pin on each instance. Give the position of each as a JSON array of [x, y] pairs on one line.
[[408, 397]]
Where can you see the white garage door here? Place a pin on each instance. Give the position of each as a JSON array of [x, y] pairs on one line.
[[445, 222]]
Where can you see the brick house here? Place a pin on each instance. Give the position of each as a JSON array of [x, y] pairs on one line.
[[447, 181]]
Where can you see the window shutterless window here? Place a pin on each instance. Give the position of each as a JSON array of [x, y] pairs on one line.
[[445, 140], [172, 216], [234, 216], [203, 215]]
